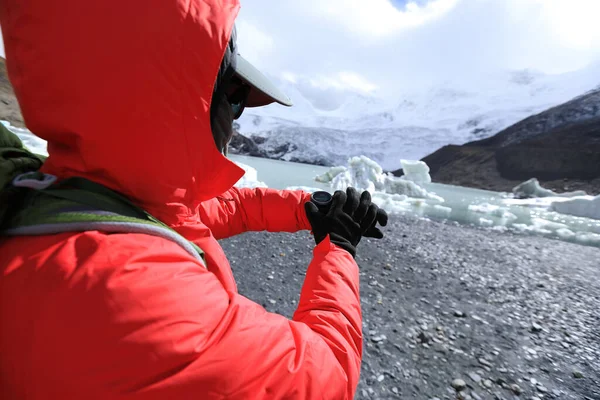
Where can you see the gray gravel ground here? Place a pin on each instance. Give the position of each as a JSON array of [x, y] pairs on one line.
[[453, 312]]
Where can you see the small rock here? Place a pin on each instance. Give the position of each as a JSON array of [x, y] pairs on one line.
[[577, 374], [272, 301], [440, 348], [459, 384], [485, 362], [424, 337], [380, 378], [487, 383], [516, 389], [270, 277], [373, 283], [379, 338], [476, 378], [395, 390], [541, 389], [535, 327], [388, 267], [459, 314]]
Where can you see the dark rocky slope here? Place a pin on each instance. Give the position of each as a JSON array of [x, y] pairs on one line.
[[560, 147]]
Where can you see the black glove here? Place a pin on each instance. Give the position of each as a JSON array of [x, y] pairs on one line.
[[349, 218], [360, 208], [341, 228]]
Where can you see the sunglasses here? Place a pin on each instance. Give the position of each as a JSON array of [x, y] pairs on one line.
[[238, 97]]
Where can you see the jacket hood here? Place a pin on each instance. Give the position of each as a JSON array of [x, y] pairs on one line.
[[121, 91]]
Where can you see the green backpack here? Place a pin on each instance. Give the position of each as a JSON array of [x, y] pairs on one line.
[[32, 203]]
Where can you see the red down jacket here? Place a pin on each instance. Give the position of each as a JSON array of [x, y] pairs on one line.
[[121, 91]]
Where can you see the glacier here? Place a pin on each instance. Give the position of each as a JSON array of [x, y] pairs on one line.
[[329, 126]]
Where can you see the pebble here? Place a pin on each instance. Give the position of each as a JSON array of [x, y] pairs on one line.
[[541, 389], [487, 383], [536, 327], [424, 337], [485, 362], [459, 314], [516, 389], [577, 374], [459, 384], [380, 378], [463, 396], [476, 378], [395, 390], [378, 339]]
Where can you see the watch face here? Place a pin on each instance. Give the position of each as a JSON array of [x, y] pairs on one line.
[[321, 197]]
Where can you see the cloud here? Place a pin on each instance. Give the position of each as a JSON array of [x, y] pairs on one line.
[[373, 18], [392, 48]]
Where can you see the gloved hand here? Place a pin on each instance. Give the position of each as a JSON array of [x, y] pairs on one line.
[[362, 210], [348, 219]]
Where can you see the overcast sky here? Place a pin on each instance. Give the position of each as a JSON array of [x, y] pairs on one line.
[[385, 44]]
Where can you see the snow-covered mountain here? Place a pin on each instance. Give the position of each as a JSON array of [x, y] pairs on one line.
[[328, 125]]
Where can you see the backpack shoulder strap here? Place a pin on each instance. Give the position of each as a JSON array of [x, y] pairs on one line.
[[78, 205]]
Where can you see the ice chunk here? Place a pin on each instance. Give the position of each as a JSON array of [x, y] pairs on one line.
[[408, 188], [443, 210], [303, 188], [532, 188], [486, 222], [250, 178], [363, 173], [415, 171], [501, 213], [565, 234], [588, 207], [329, 175]]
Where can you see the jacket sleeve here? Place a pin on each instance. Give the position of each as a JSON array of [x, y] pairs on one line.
[[164, 327], [243, 209]]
